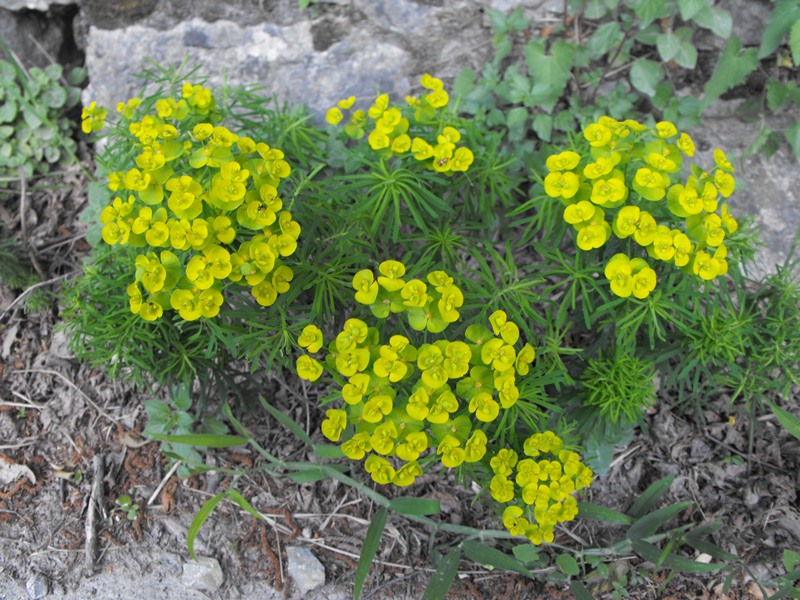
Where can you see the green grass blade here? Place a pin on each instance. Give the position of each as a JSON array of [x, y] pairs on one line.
[[200, 518], [486, 555], [787, 419], [650, 497], [369, 549], [236, 497], [202, 440], [286, 422], [595, 512], [443, 578], [415, 506], [655, 555], [648, 524]]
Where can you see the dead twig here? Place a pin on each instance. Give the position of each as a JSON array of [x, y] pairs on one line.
[[95, 506]]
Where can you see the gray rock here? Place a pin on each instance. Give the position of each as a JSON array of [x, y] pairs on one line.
[[305, 569], [203, 574], [41, 5], [37, 586], [37, 42]]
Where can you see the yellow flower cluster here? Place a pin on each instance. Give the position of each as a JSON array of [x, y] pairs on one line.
[[93, 118], [202, 202], [391, 132], [628, 185], [407, 407], [541, 485]]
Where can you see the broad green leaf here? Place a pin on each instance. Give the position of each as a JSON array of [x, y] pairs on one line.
[[605, 37], [794, 42], [568, 564], [782, 19], [594, 512], [415, 506], [443, 577], [650, 496], [645, 75], [648, 11], [486, 555], [543, 126], [690, 8], [286, 422], [790, 559], [515, 121], [550, 72], [732, 68], [677, 45], [369, 549], [526, 553], [777, 94], [157, 411], [792, 133], [648, 524], [790, 422], [202, 440], [655, 555], [464, 83], [8, 111], [715, 19], [580, 591], [200, 518]]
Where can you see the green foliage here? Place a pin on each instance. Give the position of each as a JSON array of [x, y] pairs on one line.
[[35, 130]]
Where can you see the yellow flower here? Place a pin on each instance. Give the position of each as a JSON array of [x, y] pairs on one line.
[[407, 474], [415, 444], [381, 470], [334, 115], [597, 135], [722, 161], [501, 326], [185, 302], [357, 446], [310, 338], [564, 185], [376, 408], [686, 145], [725, 183], [581, 212], [525, 357], [210, 302], [354, 390], [450, 450], [665, 129], [502, 489], [392, 272], [346, 103], [484, 407], [151, 310], [308, 368], [564, 161], [92, 118], [643, 282], [503, 462], [334, 424], [451, 300], [475, 448], [514, 521], [618, 271]]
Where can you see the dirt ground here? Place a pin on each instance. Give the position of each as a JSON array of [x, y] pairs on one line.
[[57, 416]]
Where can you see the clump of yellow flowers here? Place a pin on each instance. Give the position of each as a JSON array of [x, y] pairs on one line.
[[406, 407], [628, 186], [202, 203], [392, 132]]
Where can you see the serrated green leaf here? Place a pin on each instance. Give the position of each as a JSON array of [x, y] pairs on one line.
[[782, 19], [415, 506], [202, 440], [542, 125], [464, 82], [777, 94], [648, 524], [645, 75], [594, 512], [200, 518], [286, 422], [792, 133], [794, 43], [759, 141], [580, 591], [550, 72], [790, 559], [157, 411], [568, 564], [715, 19], [516, 119], [648, 11], [486, 555], [689, 8], [790, 422], [655, 555], [526, 553], [369, 549], [732, 69], [605, 37], [443, 577]]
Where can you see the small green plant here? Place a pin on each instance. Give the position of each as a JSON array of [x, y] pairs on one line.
[[36, 132], [128, 507]]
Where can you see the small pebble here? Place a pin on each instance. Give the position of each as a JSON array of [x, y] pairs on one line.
[[305, 569], [203, 574], [37, 586]]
